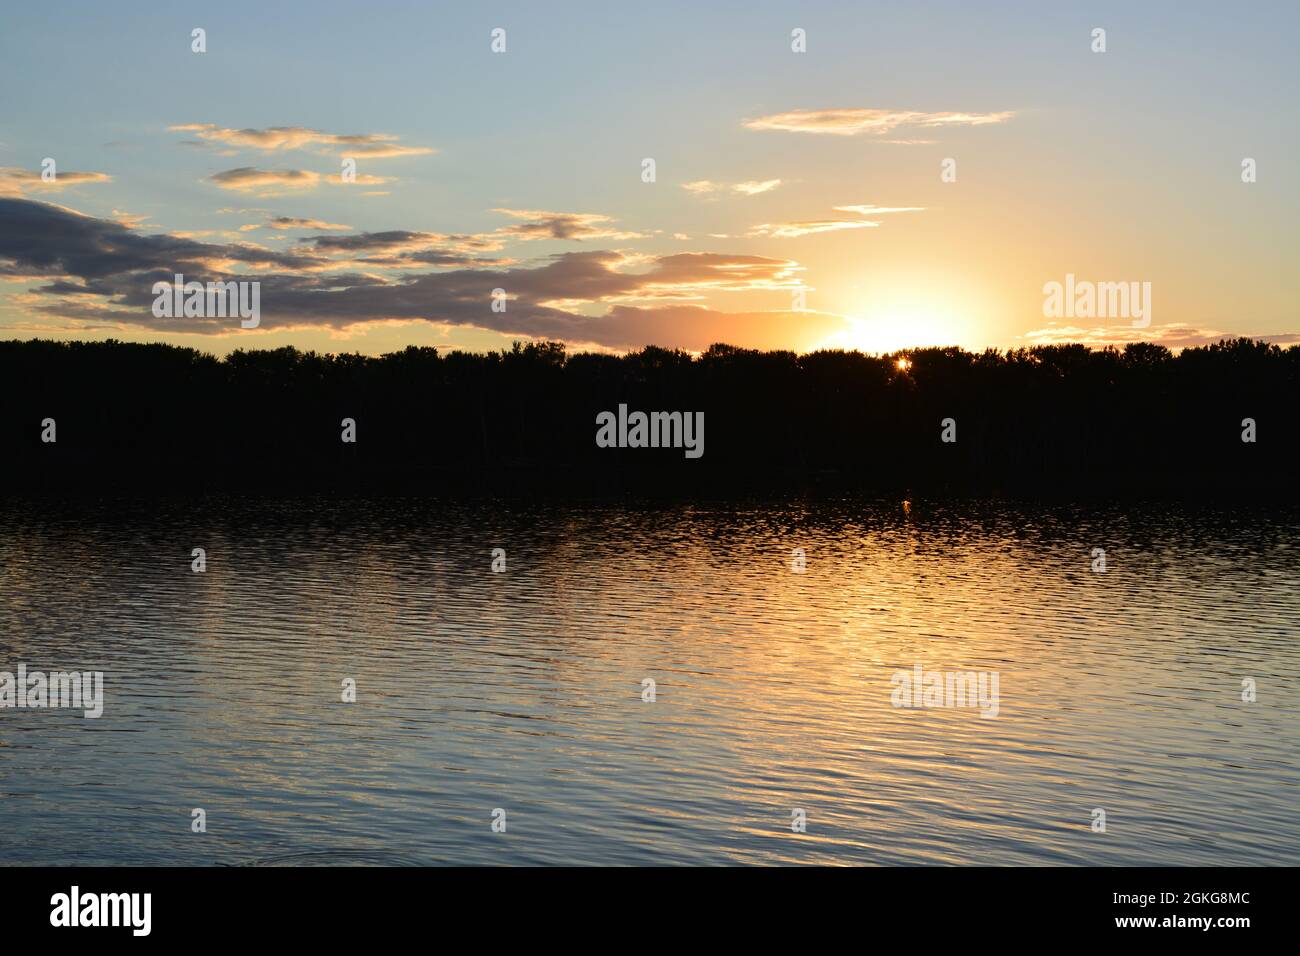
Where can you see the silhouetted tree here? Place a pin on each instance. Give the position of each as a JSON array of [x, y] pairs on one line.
[[1140, 420]]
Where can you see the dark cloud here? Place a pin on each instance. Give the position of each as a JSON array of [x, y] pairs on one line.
[[375, 241], [84, 256], [543, 224], [44, 239]]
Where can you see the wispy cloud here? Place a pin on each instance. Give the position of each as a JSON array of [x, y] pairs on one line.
[[292, 222], [793, 230], [808, 227], [851, 122], [273, 182], [869, 210], [707, 187], [130, 220], [753, 188], [15, 181], [279, 138]]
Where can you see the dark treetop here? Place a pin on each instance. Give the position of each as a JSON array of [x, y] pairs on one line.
[[1045, 420]]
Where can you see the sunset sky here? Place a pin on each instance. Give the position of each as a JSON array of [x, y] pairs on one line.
[[775, 170]]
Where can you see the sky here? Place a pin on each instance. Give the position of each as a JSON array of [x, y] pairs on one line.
[[918, 175]]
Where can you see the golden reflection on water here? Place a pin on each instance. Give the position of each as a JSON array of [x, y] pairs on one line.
[[523, 690]]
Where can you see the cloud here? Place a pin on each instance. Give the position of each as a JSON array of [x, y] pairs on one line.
[[706, 187], [46, 239], [361, 179], [851, 122], [102, 271], [15, 181], [231, 234], [130, 220], [868, 210], [703, 186], [249, 179], [273, 182], [439, 258], [292, 222], [402, 241], [696, 272], [1171, 335], [793, 230], [279, 138], [540, 224]]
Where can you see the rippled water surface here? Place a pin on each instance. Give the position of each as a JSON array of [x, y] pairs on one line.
[[523, 690]]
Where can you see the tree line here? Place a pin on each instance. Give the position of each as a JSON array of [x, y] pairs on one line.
[[1140, 420]]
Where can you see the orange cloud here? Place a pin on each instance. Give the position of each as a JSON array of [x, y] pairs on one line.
[[249, 179], [276, 138], [291, 222], [869, 210], [793, 230], [20, 182], [272, 182]]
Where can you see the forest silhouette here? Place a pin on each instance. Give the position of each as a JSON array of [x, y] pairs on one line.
[[1065, 419]]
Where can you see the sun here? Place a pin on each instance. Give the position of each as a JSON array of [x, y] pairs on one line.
[[894, 331]]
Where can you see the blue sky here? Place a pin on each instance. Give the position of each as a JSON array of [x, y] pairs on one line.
[[1117, 166]]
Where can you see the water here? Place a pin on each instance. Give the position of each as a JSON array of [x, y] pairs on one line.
[[523, 690]]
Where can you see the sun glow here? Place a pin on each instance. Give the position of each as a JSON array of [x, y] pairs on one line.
[[894, 331]]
